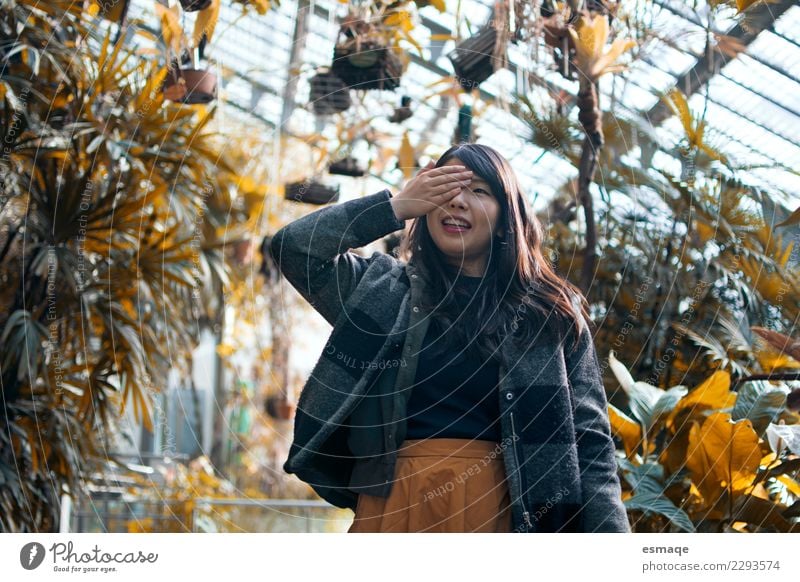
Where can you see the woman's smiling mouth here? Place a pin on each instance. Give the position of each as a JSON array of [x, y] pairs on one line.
[[455, 225]]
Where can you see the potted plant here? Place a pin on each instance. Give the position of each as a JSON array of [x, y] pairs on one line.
[[195, 5], [464, 132], [347, 166], [403, 112], [472, 59], [363, 57], [190, 85], [328, 94], [311, 192]]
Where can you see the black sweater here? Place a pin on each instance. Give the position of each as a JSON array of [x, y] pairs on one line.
[[455, 391]]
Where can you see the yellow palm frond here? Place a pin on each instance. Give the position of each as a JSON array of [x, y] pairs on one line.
[[590, 38], [206, 22]]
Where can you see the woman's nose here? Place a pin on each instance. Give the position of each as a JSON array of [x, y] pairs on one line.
[[460, 197]]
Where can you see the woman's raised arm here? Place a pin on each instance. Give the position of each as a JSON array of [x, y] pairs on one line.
[[313, 254]]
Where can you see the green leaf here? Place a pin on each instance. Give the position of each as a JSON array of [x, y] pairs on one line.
[[759, 402], [655, 503]]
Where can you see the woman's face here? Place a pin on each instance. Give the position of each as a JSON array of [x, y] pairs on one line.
[[467, 248]]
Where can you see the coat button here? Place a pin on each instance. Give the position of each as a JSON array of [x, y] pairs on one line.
[[509, 395], [413, 276], [416, 309]]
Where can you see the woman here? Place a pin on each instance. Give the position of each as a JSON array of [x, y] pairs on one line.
[[460, 389]]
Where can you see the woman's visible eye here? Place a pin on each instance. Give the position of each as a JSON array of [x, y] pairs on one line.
[[480, 190]]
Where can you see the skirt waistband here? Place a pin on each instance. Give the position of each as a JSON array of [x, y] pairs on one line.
[[449, 447]]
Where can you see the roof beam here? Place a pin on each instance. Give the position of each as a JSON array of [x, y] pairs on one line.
[[759, 18], [774, 132]]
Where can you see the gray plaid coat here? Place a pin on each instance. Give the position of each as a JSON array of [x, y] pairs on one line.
[[557, 447]]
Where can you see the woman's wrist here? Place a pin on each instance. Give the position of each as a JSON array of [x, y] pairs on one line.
[[397, 207]]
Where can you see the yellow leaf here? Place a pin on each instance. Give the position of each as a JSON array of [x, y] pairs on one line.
[[625, 428], [170, 26], [406, 157], [791, 484], [224, 350], [742, 5], [723, 456], [714, 393], [590, 37], [401, 19], [770, 361], [206, 22], [704, 231]]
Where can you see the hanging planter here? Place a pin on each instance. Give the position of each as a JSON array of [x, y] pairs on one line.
[[472, 59], [191, 86], [195, 5], [346, 167], [464, 133], [403, 112], [311, 192], [363, 60], [329, 94], [555, 32], [279, 407]]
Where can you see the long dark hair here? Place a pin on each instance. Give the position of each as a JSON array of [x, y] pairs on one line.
[[519, 293]]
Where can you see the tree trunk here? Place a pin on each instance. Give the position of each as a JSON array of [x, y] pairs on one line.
[[591, 120]]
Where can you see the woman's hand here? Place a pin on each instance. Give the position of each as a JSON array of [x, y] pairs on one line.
[[429, 189]]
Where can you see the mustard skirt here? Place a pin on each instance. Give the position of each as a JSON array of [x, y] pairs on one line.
[[441, 485]]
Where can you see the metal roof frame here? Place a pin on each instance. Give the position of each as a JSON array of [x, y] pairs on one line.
[[705, 70]]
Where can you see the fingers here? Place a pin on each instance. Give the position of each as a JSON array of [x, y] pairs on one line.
[[430, 165], [448, 175], [444, 182]]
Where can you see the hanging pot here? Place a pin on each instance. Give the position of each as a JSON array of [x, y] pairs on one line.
[[191, 86], [365, 63], [472, 59], [194, 5], [403, 112], [311, 192], [464, 133], [328, 94], [346, 167], [279, 408], [555, 31]]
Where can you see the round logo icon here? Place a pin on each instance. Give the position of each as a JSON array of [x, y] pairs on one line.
[[31, 555]]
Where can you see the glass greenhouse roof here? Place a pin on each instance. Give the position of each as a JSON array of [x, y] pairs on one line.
[[752, 105]]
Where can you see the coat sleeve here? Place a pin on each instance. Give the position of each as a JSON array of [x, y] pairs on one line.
[[603, 509], [313, 254]]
